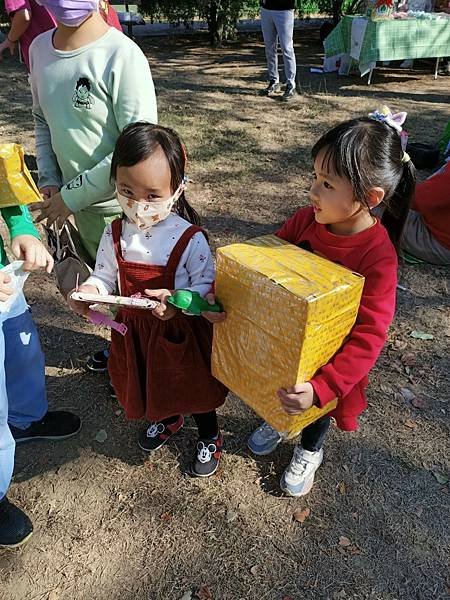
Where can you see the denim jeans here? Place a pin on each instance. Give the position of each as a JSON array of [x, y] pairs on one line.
[[23, 397], [279, 25]]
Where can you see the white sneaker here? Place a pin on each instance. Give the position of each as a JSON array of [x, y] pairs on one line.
[[298, 478], [264, 440]]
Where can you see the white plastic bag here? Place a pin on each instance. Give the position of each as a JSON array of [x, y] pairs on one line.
[[18, 278]]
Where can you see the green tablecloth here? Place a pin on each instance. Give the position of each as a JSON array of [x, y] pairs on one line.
[[393, 39]]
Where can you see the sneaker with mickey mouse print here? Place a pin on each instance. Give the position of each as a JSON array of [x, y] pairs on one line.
[[158, 432], [207, 456]]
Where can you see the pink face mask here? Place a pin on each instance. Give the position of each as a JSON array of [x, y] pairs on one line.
[[70, 13]]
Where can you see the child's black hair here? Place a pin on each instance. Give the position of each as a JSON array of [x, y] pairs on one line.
[[138, 141], [369, 154]]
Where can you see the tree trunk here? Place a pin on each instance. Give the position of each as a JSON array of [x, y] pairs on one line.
[[221, 17], [337, 11]]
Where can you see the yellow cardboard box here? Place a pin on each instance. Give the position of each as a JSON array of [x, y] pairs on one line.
[[288, 312], [16, 184]]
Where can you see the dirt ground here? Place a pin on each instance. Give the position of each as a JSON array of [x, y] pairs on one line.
[[111, 523]]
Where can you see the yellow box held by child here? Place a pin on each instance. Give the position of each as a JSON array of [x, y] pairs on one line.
[[288, 312], [16, 184]]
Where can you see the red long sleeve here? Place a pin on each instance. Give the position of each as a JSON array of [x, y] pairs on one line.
[[371, 254], [360, 352], [432, 202]]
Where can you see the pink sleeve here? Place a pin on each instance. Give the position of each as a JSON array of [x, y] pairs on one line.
[[14, 5]]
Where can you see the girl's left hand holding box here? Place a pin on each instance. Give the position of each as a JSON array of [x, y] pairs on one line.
[[297, 398]]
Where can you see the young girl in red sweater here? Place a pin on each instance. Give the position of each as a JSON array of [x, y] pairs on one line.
[[358, 165]]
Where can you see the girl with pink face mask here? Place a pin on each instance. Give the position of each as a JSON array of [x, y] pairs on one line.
[[70, 13], [160, 369]]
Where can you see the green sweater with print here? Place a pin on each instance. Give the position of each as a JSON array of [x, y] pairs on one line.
[[82, 100], [19, 222]]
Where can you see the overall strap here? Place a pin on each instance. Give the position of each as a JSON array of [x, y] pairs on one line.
[[179, 248], [116, 228]]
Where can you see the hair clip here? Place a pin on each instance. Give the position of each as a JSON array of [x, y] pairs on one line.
[[384, 115]]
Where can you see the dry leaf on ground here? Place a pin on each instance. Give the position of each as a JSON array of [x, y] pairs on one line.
[[344, 541], [341, 488], [231, 516], [101, 436], [421, 335], [440, 478], [166, 517], [300, 515], [204, 593], [407, 394], [400, 344], [410, 424]]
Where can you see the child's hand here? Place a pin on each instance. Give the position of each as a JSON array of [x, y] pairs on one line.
[[213, 317], [53, 209], [48, 191], [297, 398], [5, 289], [7, 45], [81, 308], [163, 311], [33, 252]]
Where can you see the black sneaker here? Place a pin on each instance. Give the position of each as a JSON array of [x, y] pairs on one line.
[[98, 362], [56, 425], [272, 88], [157, 434], [207, 456], [15, 527], [289, 93]]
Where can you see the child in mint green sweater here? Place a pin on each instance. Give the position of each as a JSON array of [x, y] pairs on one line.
[[89, 81]]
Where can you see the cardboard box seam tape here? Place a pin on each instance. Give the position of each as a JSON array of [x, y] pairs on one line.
[[17, 186], [288, 312]]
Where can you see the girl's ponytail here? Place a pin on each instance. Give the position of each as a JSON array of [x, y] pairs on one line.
[[186, 211], [398, 205]]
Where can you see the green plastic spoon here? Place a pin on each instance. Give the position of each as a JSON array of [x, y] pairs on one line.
[[192, 303]]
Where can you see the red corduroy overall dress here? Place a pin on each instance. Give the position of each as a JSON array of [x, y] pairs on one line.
[[160, 368]]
